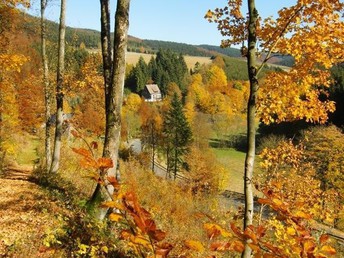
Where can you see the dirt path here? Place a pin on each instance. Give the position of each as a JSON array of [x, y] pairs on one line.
[[27, 217], [18, 173]]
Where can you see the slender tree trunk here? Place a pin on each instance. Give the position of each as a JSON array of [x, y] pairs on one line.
[[114, 96], [251, 114], [47, 90], [59, 91], [105, 39], [153, 146], [114, 75]]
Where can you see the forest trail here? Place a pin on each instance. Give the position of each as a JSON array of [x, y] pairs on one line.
[[19, 172], [28, 217]]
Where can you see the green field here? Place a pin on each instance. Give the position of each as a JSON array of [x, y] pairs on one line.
[[233, 162], [133, 58]]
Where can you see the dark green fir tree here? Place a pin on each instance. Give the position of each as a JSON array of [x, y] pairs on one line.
[[177, 135]]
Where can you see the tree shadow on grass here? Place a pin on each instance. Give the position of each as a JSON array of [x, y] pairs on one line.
[[237, 142]]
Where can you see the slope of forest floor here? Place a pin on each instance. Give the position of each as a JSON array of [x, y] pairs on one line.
[[30, 219]]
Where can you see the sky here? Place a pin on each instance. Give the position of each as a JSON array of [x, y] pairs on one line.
[[168, 20]]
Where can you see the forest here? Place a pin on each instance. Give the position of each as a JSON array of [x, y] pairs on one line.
[[239, 157]]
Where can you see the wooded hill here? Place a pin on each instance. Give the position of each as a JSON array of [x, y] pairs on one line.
[[91, 40]]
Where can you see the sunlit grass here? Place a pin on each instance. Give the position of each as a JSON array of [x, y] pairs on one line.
[[133, 58], [233, 162]]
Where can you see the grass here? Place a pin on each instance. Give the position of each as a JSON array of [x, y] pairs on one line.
[[233, 162], [133, 58]]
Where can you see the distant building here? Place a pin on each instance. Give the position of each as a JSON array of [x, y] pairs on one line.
[[152, 93]]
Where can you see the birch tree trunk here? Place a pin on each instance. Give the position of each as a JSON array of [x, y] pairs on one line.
[[47, 90], [59, 90], [251, 114]]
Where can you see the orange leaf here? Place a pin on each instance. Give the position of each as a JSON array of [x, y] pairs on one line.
[[261, 231], [104, 163], [113, 181], [220, 246], [254, 247], [238, 246], [264, 201], [214, 230], [251, 235], [324, 238], [328, 249], [237, 231]]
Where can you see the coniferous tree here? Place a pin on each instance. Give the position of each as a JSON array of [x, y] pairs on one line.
[[141, 75], [177, 133]]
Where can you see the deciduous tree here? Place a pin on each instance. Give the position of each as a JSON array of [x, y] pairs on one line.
[[311, 32], [113, 72], [59, 91], [47, 88]]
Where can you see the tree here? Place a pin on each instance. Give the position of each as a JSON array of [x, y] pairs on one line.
[[141, 75], [151, 128], [59, 90], [47, 89], [311, 32], [11, 64], [177, 135], [114, 73]]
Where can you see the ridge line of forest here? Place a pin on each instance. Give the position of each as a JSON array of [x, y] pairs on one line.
[[91, 39]]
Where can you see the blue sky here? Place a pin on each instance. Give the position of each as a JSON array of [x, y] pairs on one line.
[[168, 20]]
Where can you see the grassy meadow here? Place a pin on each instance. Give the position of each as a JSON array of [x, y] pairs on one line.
[[133, 58], [233, 162]]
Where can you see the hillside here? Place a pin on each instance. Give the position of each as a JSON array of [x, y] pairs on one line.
[[91, 39]]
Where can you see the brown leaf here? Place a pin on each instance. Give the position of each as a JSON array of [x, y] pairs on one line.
[[75, 134], [324, 238], [94, 145], [162, 250], [157, 235]]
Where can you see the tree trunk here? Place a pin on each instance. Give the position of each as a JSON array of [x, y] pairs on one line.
[[114, 95], [114, 75], [251, 113], [59, 91], [47, 90]]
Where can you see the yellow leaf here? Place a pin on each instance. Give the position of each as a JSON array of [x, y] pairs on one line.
[[291, 231], [328, 249], [194, 245], [140, 240], [115, 217], [105, 249], [302, 215]]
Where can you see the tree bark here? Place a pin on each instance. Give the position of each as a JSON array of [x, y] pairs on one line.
[[114, 75], [47, 90], [59, 91], [251, 114], [114, 94]]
